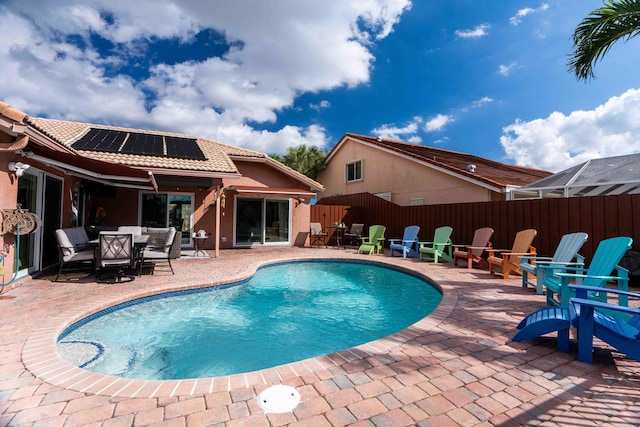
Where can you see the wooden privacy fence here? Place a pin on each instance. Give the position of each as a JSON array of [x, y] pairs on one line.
[[599, 216]]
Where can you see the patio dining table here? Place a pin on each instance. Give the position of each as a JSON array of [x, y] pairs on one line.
[[140, 242], [338, 233]]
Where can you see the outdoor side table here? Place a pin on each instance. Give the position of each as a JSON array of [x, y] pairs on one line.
[[198, 242]]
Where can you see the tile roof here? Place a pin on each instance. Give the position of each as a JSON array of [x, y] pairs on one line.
[[487, 171], [219, 157], [217, 154]]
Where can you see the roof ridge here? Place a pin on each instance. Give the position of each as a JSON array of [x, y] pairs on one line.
[[383, 141], [117, 128]]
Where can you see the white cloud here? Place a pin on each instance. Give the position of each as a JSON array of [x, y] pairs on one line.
[[406, 133], [477, 32], [280, 51], [505, 70], [517, 18], [438, 122], [559, 141], [321, 105], [481, 102]]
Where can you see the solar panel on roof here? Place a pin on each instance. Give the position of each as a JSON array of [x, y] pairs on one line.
[[144, 144], [138, 143], [184, 148], [101, 140]]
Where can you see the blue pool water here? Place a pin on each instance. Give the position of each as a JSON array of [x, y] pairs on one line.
[[285, 313]]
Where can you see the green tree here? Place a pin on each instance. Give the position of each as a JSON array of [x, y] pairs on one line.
[[306, 160], [594, 36]]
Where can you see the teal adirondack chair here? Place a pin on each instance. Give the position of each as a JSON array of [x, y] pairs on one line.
[[374, 241], [604, 262], [566, 255], [408, 245], [440, 247]]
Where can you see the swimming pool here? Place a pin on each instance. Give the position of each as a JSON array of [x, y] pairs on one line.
[[286, 312]]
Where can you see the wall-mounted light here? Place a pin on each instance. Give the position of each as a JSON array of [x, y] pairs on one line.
[[223, 200], [299, 200], [18, 168]]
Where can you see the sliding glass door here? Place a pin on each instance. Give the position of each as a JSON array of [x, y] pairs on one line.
[[262, 221], [168, 210], [41, 194]]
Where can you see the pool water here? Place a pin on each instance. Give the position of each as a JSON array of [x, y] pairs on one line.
[[285, 313]]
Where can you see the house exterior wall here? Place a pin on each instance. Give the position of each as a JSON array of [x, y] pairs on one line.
[[261, 175], [8, 197], [404, 178]]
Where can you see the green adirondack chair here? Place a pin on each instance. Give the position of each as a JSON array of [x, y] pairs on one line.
[[603, 263], [440, 247], [374, 241]]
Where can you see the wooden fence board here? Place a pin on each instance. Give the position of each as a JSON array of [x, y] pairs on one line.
[[599, 216]]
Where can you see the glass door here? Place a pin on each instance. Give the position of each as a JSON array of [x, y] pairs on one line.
[[168, 210], [29, 196], [262, 221], [277, 221], [180, 215], [248, 221], [41, 194], [153, 210]]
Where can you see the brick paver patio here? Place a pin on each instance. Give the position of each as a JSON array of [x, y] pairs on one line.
[[457, 367]]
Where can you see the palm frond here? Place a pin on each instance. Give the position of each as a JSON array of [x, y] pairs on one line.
[[596, 33]]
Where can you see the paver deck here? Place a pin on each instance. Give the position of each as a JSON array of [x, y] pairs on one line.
[[458, 366]]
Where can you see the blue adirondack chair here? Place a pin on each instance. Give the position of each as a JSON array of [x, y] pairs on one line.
[[564, 255], [616, 325], [604, 262], [440, 247], [408, 245]]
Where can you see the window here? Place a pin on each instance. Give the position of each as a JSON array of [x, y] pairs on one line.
[[354, 171], [416, 202]]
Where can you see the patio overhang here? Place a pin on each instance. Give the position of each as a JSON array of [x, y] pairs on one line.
[[261, 191], [95, 170]]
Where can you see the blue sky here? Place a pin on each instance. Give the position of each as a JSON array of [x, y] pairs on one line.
[[477, 76]]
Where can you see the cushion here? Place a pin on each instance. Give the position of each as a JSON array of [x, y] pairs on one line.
[[168, 240], [72, 240], [136, 230]]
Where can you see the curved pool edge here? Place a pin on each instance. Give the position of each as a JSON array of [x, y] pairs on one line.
[[40, 355]]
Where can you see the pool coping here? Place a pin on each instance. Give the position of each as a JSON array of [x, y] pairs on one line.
[[40, 356]]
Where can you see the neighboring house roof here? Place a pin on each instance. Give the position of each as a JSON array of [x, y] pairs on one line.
[[218, 159], [608, 175], [469, 167]]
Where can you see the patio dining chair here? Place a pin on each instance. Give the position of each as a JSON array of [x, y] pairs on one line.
[[115, 253], [160, 253], [316, 235], [353, 235]]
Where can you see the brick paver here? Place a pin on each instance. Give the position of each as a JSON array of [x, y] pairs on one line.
[[458, 367]]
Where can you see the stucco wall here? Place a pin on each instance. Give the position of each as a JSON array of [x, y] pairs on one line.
[[261, 175], [405, 179]]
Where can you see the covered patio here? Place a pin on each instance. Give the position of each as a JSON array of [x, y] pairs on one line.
[[458, 366]]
